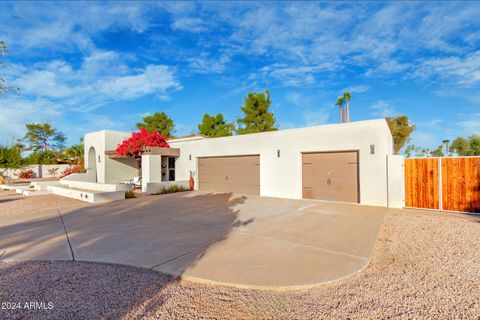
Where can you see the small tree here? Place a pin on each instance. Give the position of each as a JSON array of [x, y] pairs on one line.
[[159, 122], [10, 158], [460, 146], [257, 117], [42, 157], [466, 147], [474, 145], [401, 128], [43, 137], [437, 152], [53, 171], [135, 145], [74, 154], [215, 126]]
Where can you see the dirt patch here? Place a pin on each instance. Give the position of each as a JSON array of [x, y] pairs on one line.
[[425, 266], [12, 202]]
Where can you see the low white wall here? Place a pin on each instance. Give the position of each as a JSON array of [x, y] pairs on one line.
[[88, 196], [396, 181], [156, 187], [85, 185], [39, 170], [43, 185]]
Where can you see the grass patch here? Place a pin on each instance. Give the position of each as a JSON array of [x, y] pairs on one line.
[[172, 189], [129, 194]]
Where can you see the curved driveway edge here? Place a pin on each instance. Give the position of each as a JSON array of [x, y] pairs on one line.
[[227, 239]]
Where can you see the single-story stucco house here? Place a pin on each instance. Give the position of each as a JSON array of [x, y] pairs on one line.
[[348, 162]]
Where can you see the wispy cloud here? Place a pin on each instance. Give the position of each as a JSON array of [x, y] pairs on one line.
[[190, 24], [101, 78], [383, 109], [317, 117], [206, 64], [452, 69], [357, 89], [15, 111], [290, 76], [470, 124]]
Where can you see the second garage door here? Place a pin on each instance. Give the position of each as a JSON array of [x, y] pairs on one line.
[[330, 176], [239, 174]]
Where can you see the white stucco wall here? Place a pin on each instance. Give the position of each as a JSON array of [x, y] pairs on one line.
[[282, 177], [109, 170], [97, 141], [151, 170], [396, 181]]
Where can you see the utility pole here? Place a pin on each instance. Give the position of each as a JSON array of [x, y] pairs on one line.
[[445, 142]]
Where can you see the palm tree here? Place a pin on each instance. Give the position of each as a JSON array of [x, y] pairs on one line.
[[340, 101], [347, 96]]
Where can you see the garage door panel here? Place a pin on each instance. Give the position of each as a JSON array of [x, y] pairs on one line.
[[328, 194], [330, 158], [330, 176], [218, 168], [337, 183], [239, 174], [221, 162], [338, 167], [229, 178], [237, 188]]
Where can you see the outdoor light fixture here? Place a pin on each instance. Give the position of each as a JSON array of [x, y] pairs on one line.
[[372, 149], [98, 158], [190, 157], [278, 153]]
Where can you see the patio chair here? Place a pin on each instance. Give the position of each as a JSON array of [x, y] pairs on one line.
[[136, 182]]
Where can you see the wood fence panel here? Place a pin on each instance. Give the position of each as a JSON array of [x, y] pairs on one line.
[[422, 183], [461, 184]]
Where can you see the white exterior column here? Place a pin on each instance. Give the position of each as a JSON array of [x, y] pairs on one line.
[[396, 181], [151, 170]]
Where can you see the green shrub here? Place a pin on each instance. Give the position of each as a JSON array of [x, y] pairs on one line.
[[172, 189], [129, 194]]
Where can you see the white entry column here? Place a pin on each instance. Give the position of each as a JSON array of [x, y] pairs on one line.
[[151, 170]]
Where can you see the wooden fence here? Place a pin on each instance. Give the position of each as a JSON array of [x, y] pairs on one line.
[[451, 183]]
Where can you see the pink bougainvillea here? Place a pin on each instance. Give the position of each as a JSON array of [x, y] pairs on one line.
[[137, 142]]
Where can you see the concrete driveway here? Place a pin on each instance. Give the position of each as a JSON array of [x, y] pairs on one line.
[[228, 238]]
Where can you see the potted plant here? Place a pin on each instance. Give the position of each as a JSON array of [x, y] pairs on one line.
[[191, 181]]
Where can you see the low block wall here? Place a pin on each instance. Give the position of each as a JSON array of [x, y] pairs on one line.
[[39, 170]]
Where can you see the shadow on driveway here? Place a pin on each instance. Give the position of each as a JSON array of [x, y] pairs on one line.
[[146, 232]]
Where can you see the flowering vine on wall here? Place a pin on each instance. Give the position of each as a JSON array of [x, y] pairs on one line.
[[133, 146]]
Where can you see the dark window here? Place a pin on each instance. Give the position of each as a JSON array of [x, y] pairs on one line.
[[171, 169]]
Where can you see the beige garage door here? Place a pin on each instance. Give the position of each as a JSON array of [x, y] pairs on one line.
[[331, 176], [239, 174]]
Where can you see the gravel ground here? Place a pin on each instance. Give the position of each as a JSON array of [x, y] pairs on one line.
[[425, 266], [12, 202]]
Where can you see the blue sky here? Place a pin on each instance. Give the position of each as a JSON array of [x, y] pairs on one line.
[[92, 66]]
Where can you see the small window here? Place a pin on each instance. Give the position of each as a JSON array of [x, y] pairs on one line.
[[171, 169]]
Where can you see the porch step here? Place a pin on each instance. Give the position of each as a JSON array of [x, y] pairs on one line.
[[20, 189], [87, 195], [31, 193]]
